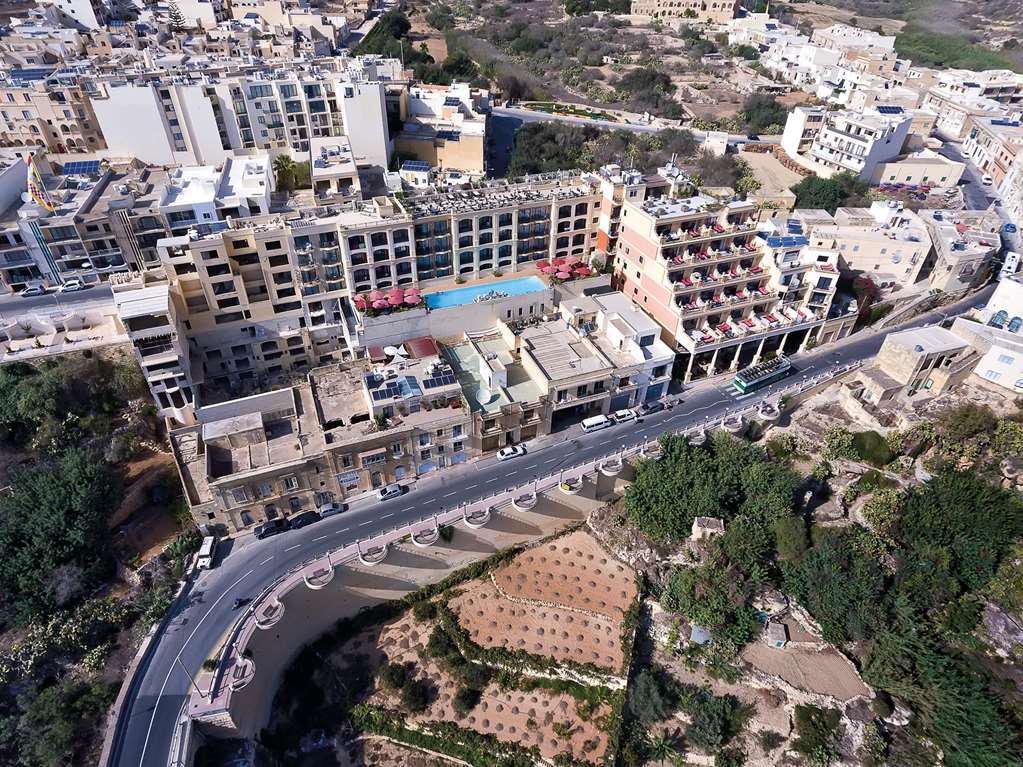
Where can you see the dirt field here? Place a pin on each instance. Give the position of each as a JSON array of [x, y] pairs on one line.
[[565, 600], [807, 668], [820, 15], [573, 571], [509, 715], [774, 177], [423, 33]]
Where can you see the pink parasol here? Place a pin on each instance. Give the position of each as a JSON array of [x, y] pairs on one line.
[[543, 264], [557, 262], [380, 304], [413, 291], [549, 269], [412, 300], [563, 275], [395, 300], [572, 259], [360, 302], [583, 271], [395, 292], [376, 295]]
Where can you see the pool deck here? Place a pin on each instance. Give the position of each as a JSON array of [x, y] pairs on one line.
[[448, 283]]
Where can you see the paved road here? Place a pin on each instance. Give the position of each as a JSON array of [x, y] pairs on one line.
[[12, 305], [976, 195], [198, 627]]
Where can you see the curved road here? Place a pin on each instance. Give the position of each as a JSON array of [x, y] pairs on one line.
[[201, 621]]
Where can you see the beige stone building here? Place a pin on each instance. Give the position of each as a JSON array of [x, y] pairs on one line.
[[697, 11], [54, 112], [930, 359]]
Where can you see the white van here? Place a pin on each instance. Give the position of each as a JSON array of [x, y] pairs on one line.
[[596, 423], [204, 559]]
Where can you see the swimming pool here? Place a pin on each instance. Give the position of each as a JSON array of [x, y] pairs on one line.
[[445, 299]]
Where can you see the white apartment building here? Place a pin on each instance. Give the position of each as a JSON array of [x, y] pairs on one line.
[[996, 332], [847, 141], [993, 144], [955, 111], [445, 126], [885, 241], [965, 243], [999, 85], [844, 37], [199, 117], [83, 14]]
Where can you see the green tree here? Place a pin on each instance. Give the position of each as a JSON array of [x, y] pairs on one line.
[[68, 501], [839, 585], [818, 731], [284, 172], [662, 747], [829, 193], [176, 18], [760, 111]]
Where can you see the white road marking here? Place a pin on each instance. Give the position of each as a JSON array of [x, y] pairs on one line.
[[552, 460], [367, 522], [296, 546], [152, 719], [268, 559], [447, 495], [322, 537], [342, 530], [387, 516], [408, 508]]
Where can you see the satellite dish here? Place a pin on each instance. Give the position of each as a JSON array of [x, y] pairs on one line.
[[26, 197], [391, 351], [483, 396], [401, 350]]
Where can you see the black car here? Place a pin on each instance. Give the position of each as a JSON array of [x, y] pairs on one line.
[[271, 527], [753, 137], [651, 407], [304, 519]]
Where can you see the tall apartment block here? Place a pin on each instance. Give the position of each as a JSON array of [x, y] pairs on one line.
[[723, 293], [40, 107], [272, 296]]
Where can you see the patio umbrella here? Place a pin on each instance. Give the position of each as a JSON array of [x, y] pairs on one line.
[[380, 304], [583, 271], [395, 293], [563, 275], [394, 300], [413, 291], [360, 302], [557, 262], [549, 269], [376, 295], [543, 264], [413, 300], [572, 259]]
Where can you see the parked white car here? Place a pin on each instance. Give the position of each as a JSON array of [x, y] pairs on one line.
[[623, 416], [512, 451], [32, 290], [387, 492], [986, 180], [73, 286]]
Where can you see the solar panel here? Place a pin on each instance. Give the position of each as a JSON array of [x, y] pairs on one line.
[[415, 165], [82, 168], [449, 135], [890, 110], [31, 73], [445, 379]]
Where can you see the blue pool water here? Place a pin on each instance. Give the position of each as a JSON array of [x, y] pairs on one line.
[[445, 299]]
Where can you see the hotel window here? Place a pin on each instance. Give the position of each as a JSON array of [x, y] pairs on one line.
[[290, 483]]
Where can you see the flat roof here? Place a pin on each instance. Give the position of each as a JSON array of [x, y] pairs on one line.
[[560, 353], [930, 339], [143, 302]]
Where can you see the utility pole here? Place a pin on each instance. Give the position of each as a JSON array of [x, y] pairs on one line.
[[190, 678]]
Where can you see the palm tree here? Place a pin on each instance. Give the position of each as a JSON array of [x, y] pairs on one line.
[[284, 170], [662, 747]]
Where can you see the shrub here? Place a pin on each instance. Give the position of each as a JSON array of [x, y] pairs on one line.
[[465, 700], [393, 676], [818, 733], [424, 610], [770, 740], [872, 448], [440, 645], [881, 707], [415, 696]]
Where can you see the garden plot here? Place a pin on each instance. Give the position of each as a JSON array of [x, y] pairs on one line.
[[573, 571]]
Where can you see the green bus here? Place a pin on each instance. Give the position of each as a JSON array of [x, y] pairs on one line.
[[758, 376]]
